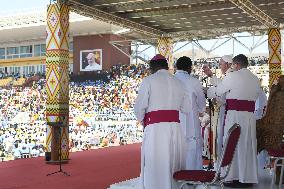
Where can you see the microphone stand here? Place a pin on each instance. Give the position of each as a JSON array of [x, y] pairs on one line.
[[61, 126]]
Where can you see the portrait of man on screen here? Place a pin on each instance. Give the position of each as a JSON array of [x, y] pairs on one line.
[[91, 60]]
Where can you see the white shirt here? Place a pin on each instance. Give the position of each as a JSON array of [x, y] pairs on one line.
[[260, 105], [95, 66]]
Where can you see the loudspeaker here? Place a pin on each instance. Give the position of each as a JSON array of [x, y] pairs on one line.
[[47, 156]]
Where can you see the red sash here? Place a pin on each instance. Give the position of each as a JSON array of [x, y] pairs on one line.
[[238, 105], [161, 116]]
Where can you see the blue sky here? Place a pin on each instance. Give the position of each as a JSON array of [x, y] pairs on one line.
[[10, 6]]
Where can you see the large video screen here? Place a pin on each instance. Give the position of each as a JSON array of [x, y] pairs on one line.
[[91, 60]]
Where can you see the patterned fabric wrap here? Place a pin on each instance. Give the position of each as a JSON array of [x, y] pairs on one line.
[[165, 48], [57, 78], [274, 46]]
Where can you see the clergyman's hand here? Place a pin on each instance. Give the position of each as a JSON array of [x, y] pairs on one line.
[[207, 70], [139, 124]]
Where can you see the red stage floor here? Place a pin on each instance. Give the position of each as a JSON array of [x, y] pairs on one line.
[[94, 169]]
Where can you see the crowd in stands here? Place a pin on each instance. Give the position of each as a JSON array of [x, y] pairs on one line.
[[22, 120], [100, 114], [16, 79], [17, 75], [213, 62], [4, 75], [102, 111]]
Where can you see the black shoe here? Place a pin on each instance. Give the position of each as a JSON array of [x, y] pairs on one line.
[[237, 184], [246, 185], [229, 184]]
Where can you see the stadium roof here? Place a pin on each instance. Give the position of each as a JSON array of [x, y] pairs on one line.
[[26, 19], [29, 25], [185, 19]]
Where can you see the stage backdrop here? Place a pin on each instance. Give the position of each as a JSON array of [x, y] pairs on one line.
[[91, 60]]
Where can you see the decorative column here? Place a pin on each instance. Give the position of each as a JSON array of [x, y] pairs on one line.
[[165, 48], [274, 45], [274, 62], [57, 80]]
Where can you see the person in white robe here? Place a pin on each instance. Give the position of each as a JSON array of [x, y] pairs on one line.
[[260, 105], [242, 89], [205, 130], [160, 98], [260, 108], [190, 121], [225, 67]]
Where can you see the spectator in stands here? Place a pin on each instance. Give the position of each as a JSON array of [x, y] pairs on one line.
[[35, 152], [17, 152]]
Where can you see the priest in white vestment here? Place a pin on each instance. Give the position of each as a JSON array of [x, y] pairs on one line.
[[190, 121], [260, 108], [242, 89], [225, 67], [260, 105], [160, 99]]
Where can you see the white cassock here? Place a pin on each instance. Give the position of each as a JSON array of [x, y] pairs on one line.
[[190, 122], [260, 108], [260, 105], [205, 127], [95, 66], [221, 102], [162, 145], [241, 86]]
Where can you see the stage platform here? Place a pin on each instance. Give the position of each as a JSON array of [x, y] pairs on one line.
[[93, 169], [264, 183]]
